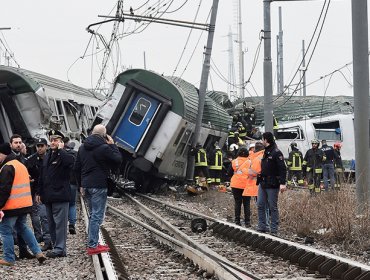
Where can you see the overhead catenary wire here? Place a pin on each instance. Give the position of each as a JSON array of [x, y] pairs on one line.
[[8, 49], [313, 51], [195, 47], [323, 14], [187, 39]]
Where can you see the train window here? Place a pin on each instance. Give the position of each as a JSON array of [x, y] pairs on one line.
[[71, 116], [185, 139], [210, 141], [59, 108], [188, 145], [328, 130], [138, 114], [179, 136], [289, 133], [52, 105]]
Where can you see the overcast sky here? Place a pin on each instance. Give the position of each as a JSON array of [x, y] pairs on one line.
[[49, 37]]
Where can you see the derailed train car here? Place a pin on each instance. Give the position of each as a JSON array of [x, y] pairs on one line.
[[152, 120], [31, 104]]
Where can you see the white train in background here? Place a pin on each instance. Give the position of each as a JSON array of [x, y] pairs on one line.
[[31, 104], [333, 128]]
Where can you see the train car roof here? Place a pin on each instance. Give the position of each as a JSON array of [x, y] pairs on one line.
[[22, 81], [295, 108], [184, 97]]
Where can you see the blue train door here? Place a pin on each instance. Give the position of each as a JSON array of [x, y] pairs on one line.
[[135, 121]]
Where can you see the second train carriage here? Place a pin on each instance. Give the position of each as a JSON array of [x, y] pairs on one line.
[[152, 119], [32, 103]]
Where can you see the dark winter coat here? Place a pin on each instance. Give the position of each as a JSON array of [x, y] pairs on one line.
[[54, 177], [329, 154], [94, 160], [34, 165], [7, 174], [273, 168]]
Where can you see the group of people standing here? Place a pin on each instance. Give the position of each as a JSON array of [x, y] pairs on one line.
[[259, 173], [45, 185], [318, 164]]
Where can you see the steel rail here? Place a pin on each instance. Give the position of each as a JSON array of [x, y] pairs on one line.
[[219, 268], [317, 261], [103, 265]]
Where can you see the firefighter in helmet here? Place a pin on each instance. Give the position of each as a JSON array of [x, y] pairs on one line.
[[242, 130], [294, 163], [312, 166]]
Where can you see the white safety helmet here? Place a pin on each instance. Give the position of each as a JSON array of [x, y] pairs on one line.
[[233, 147]]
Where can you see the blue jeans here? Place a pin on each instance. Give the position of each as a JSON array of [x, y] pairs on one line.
[[328, 172], [6, 231], [35, 219], [44, 223], [72, 213], [96, 201], [267, 199]]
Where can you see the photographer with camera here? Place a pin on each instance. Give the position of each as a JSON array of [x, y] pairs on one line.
[[96, 156]]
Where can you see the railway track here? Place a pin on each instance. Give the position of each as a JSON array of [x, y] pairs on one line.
[[206, 263], [107, 266], [250, 251]]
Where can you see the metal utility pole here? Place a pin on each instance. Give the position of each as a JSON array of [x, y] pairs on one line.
[[203, 86], [281, 52], [241, 53], [267, 66], [144, 61], [231, 88], [303, 69], [4, 28], [277, 65], [361, 99]]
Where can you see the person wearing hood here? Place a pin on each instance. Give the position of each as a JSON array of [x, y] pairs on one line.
[[55, 192], [95, 157], [15, 204]]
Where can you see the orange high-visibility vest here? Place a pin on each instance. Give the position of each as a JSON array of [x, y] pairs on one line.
[[20, 194], [239, 179], [253, 168]]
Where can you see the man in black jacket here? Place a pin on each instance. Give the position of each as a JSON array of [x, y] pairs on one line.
[[328, 165], [271, 180], [55, 192], [39, 221], [96, 156]]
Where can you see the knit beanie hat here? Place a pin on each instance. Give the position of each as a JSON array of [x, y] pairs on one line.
[[5, 149]]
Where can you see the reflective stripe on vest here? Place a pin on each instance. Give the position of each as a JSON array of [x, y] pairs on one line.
[[239, 179], [20, 194], [201, 159], [218, 161], [255, 164], [297, 162]]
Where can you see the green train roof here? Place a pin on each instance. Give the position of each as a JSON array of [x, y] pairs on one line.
[[22, 81], [184, 97], [300, 108]]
